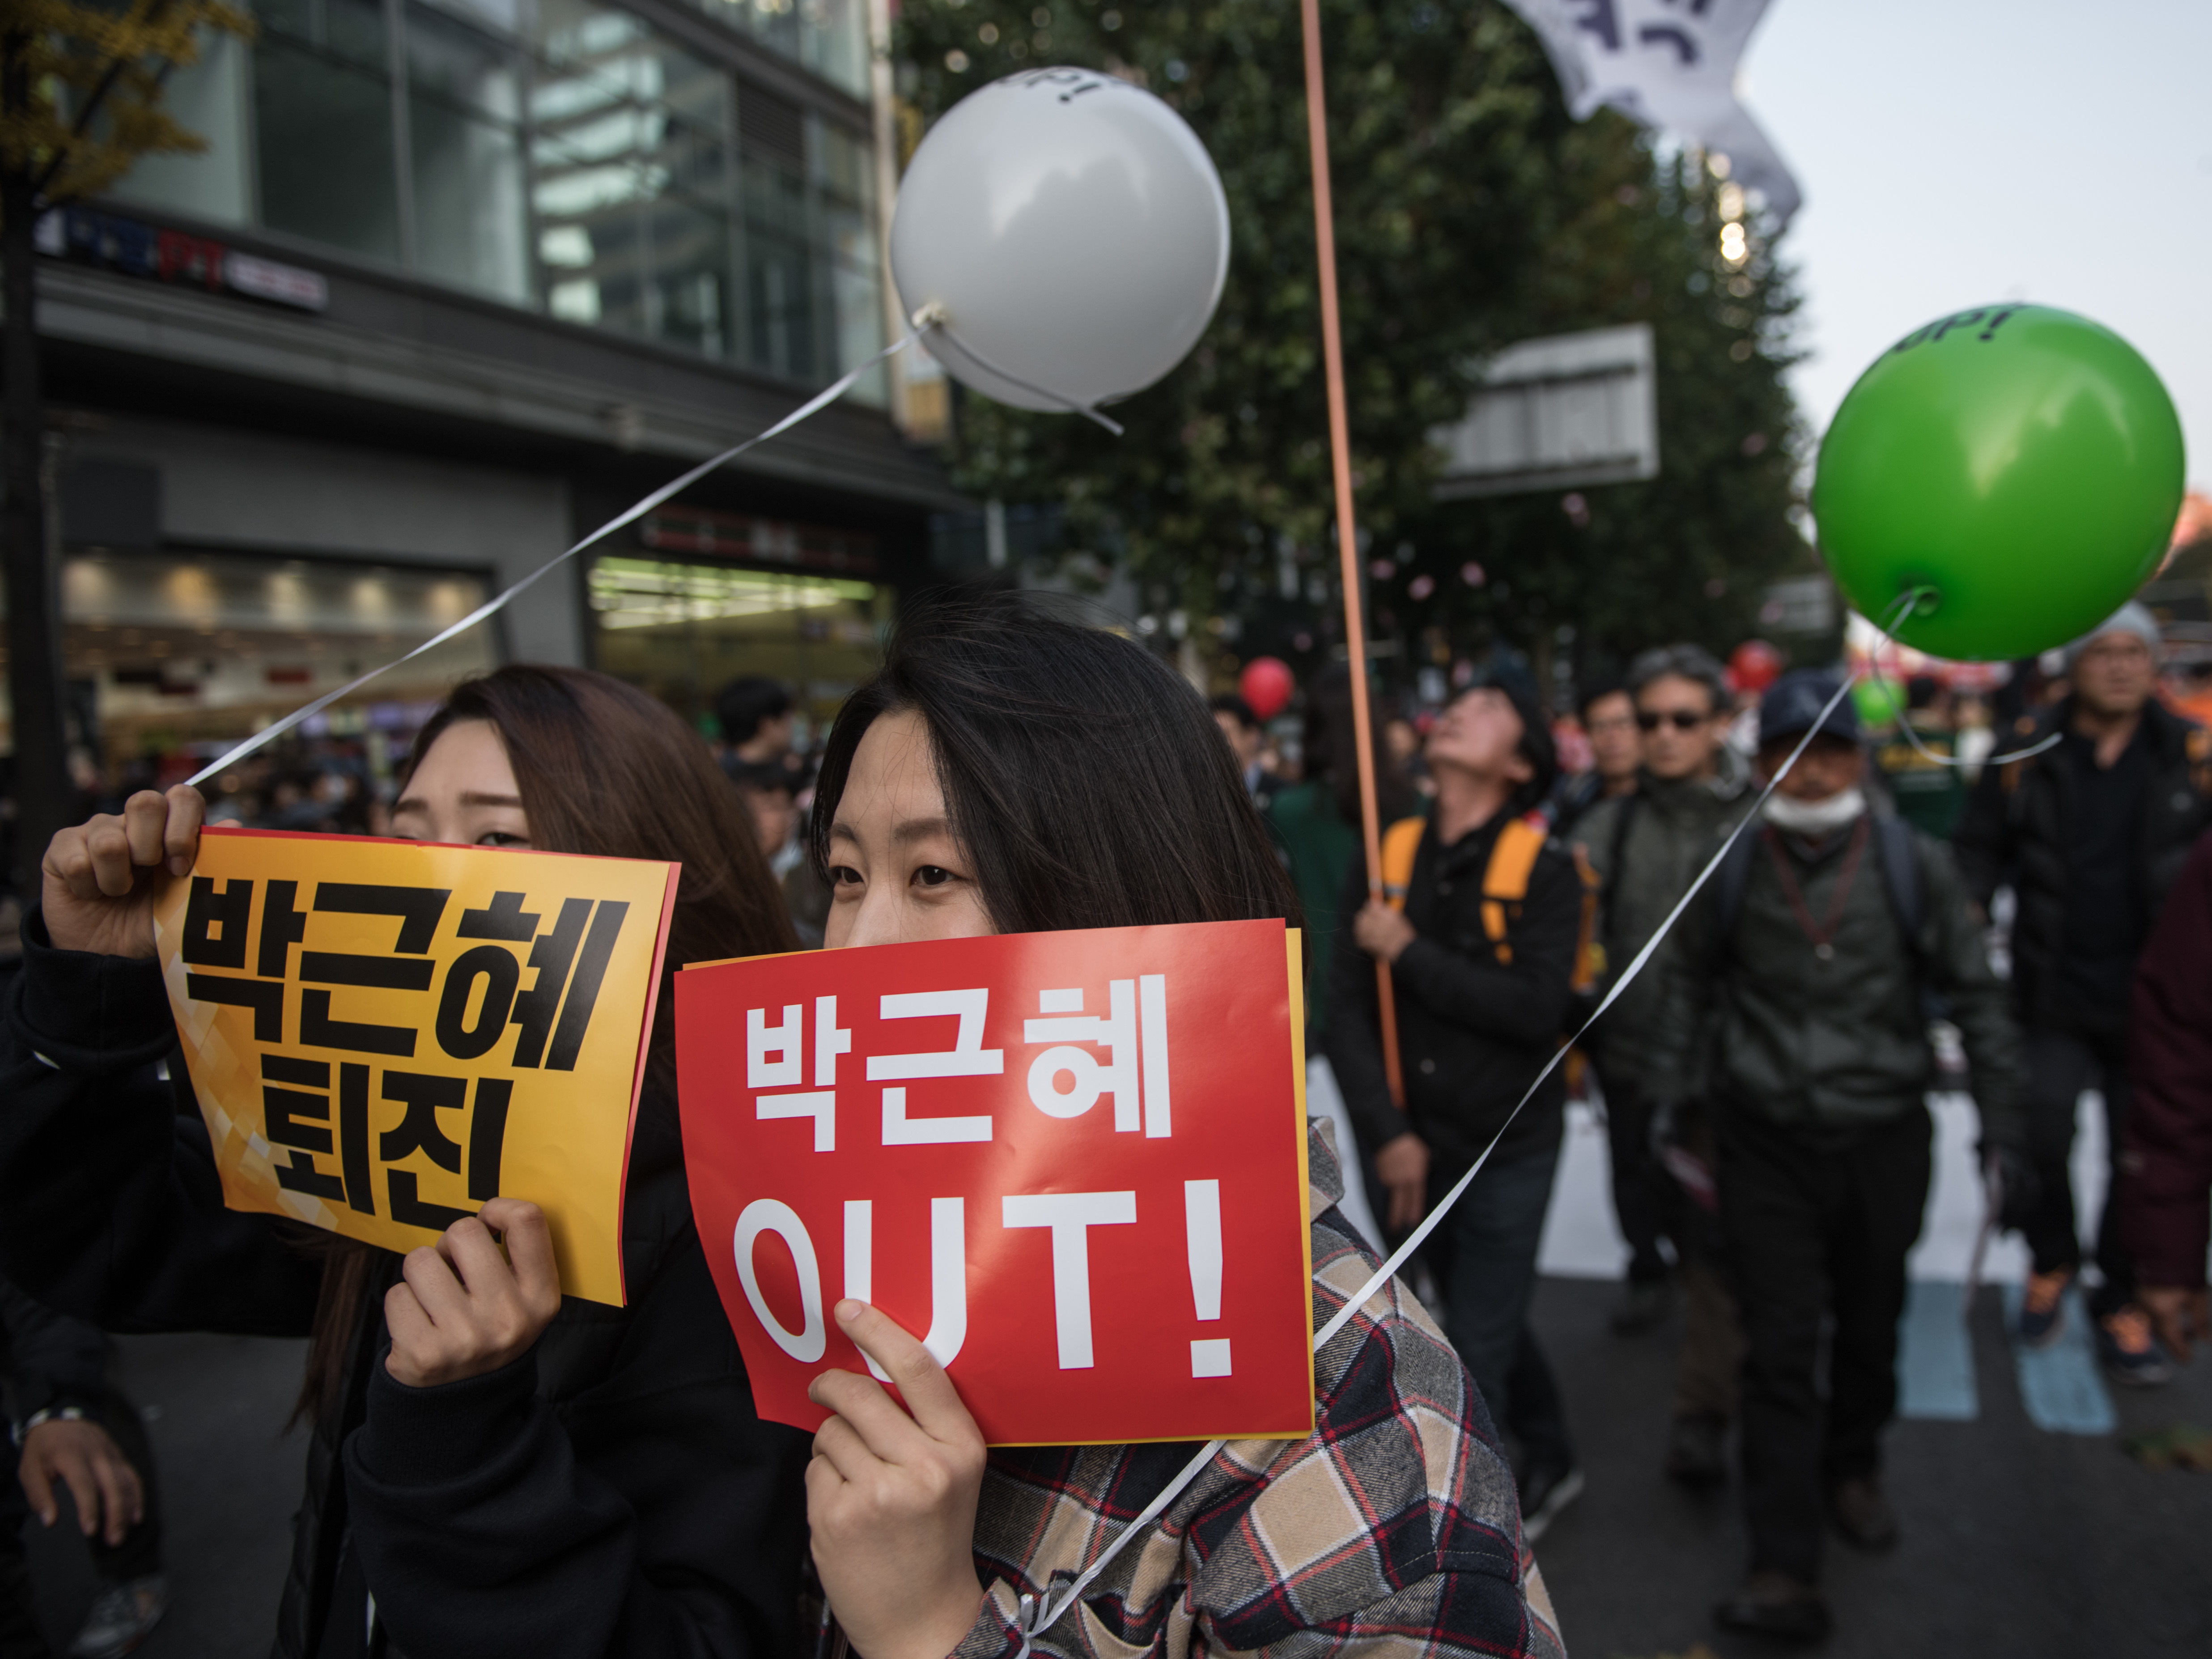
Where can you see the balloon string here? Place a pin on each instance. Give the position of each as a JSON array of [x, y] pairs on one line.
[[1041, 1619], [934, 318], [1906, 601], [629, 515]]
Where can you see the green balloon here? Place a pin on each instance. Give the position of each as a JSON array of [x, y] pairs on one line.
[[2022, 464], [1879, 701]]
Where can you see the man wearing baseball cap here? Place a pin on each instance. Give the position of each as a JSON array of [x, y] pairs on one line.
[[1794, 1017], [2090, 834]]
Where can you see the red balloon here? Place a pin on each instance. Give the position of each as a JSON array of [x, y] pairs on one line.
[[1754, 666], [1267, 684]]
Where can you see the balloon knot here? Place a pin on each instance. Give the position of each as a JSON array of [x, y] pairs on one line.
[[930, 316]]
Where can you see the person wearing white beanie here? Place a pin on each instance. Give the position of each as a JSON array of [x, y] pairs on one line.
[[2133, 618], [2089, 836]]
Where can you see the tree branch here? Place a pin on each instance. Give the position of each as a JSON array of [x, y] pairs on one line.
[[106, 84]]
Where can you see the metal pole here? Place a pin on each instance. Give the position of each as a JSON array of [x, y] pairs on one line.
[[1348, 538]]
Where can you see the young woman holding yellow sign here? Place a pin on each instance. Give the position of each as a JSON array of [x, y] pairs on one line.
[[514, 1474], [1009, 773]]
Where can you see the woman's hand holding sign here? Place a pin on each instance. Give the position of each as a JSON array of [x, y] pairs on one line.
[[462, 1308], [103, 877], [891, 1498]]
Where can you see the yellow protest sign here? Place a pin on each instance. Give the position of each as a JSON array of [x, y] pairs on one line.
[[384, 1034]]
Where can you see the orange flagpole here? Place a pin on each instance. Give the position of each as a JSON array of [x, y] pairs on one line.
[[1347, 540]]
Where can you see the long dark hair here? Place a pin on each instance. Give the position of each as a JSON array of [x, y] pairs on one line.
[[1088, 782], [605, 769]]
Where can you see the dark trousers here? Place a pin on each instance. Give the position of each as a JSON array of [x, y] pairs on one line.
[[20, 1635], [1650, 1204], [1483, 1255], [2061, 1064], [1644, 1196], [1816, 1230], [138, 1556]]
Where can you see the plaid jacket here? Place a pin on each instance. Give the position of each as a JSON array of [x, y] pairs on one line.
[[1393, 1529]]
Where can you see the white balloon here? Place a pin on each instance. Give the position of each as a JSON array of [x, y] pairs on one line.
[[1068, 232]]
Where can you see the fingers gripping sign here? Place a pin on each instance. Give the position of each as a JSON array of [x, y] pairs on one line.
[[464, 1308], [890, 1496], [101, 879]]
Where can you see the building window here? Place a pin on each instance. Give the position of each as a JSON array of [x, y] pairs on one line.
[[172, 658], [830, 37], [683, 628], [561, 154]]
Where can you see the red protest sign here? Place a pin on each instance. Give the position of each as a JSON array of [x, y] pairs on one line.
[[1073, 1163]]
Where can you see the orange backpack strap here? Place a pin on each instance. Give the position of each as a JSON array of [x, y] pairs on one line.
[[1589, 952], [1506, 881], [1400, 842]]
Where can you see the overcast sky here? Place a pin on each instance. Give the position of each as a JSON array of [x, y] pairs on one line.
[[1954, 152]]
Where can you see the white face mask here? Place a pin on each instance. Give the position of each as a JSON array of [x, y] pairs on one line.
[[1813, 817]]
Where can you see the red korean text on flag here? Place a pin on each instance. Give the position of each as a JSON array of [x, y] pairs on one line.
[[1072, 1164]]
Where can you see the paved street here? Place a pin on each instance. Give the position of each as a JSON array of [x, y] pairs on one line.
[[2017, 1542]]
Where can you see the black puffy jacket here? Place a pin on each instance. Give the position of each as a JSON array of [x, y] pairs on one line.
[[612, 1491], [2018, 822], [1473, 1030]]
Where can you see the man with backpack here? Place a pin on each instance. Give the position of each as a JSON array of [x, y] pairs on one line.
[[1797, 1013], [1485, 928]]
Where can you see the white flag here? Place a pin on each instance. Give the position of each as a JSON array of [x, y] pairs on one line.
[[1668, 63]]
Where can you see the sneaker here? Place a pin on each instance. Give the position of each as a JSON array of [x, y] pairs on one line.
[[121, 1616], [1696, 1453], [1642, 1306], [1775, 1604], [2130, 1354], [1544, 1492], [2043, 1307], [1861, 1516]]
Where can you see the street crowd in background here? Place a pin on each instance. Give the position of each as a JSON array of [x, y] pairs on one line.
[[1763, 1080], [2001, 885]]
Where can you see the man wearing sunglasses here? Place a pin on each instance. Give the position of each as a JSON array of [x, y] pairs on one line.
[[1646, 847]]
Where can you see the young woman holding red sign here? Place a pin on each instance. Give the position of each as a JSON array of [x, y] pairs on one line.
[[1008, 772], [493, 1470]]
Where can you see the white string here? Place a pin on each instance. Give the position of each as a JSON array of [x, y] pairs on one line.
[[932, 317], [1041, 1620], [629, 515], [1910, 598]]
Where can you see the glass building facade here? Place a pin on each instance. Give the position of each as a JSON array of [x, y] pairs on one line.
[[563, 155]]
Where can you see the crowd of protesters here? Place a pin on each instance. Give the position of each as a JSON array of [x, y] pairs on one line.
[[1763, 1081]]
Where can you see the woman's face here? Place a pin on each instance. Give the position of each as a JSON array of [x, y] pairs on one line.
[[896, 873], [463, 792]]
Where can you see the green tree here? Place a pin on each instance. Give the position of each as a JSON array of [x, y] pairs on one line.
[[1471, 212], [81, 89]]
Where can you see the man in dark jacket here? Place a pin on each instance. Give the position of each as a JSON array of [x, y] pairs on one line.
[[2090, 834], [1795, 1009], [1646, 847], [2164, 1199], [1481, 974]]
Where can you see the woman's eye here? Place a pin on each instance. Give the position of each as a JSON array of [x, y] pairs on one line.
[[931, 875], [844, 875], [501, 838]]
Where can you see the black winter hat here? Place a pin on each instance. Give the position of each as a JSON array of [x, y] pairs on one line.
[[1793, 703]]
